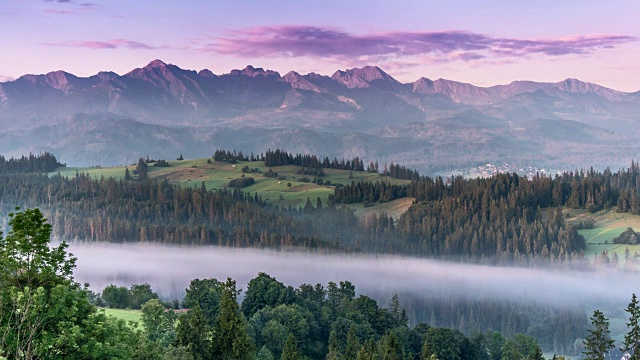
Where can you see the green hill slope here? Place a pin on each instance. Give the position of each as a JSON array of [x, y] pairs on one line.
[[217, 174]]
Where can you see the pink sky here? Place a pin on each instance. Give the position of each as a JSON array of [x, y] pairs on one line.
[[481, 42]]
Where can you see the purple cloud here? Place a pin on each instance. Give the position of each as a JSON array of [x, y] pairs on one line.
[[6, 78], [109, 44], [309, 41]]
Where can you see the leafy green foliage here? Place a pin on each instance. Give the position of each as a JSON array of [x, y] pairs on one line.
[[263, 291], [116, 297], [43, 313], [158, 322], [26, 260]]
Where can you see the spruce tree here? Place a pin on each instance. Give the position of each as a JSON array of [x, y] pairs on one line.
[[194, 333], [353, 344], [598, 342], [264, 353], [290, 350], [230, 338], [425, 353], [390, 348], [632, 338]]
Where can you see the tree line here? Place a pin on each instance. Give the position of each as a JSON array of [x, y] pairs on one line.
[[41, 163], [280, 158]]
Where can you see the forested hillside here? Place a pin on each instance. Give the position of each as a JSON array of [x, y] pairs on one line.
[[504, 219]]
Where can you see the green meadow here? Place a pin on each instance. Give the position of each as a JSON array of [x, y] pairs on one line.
[[608, 225], [216, 175], [126, 315]]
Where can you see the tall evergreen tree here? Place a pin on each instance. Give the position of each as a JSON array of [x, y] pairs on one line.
[[353, 344], [598, 342], [194, 333], [264, 353], [290, 351], [230, 338], [632, 338], [390, 348]]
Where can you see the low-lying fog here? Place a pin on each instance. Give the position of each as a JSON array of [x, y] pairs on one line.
[[169, 269]]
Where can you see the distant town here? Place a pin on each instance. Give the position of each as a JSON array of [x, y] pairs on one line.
[[487, 170]]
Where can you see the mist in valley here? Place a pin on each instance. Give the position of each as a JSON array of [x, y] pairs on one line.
[[169, 269]]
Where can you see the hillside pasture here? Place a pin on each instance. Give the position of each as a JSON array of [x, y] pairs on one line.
[[608, 225], [216, 175], [126, 315]]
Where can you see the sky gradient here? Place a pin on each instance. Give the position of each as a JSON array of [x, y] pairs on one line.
[[481, 42]]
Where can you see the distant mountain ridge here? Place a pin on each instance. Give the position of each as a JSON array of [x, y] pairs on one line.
[[366, 101]]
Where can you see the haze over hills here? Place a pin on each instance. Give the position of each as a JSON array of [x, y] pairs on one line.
[[432, 125]]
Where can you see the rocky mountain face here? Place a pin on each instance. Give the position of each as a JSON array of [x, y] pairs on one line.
[[428, 124]]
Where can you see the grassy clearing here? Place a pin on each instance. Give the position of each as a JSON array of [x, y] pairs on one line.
[[608, 225], [216, 175], [126, 315], [393, 208]]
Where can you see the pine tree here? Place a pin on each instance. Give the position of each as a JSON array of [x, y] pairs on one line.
[[334, 347], [141, 170], [632, 338], [230, 337], [390, 348], [193, 333], [598, 342], [290, 350], [425, 353], [537, 354], [363, 354], [353, 344], [264, 353]]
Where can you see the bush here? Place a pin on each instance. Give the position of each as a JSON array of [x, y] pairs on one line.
[[161, 163], [242, 182], [628, 236]]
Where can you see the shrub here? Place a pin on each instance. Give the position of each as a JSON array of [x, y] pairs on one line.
[[242, 182], [161, 163]]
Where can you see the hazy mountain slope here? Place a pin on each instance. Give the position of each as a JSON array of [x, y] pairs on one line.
[[163, 110]]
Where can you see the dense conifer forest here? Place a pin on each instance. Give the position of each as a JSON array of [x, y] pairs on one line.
[[42, 163], [504, 219]]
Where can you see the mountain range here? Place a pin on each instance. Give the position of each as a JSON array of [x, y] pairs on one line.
[[162, 111]]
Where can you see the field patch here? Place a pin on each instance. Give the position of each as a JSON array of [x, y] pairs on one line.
[[126, 315], [393, 208], [186, 174]]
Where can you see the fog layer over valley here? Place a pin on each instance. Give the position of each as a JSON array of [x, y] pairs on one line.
[[170, 269]]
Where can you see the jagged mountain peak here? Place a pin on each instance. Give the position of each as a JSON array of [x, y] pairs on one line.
[[363, 77], [59, 80], [423, 86], [106, 75], [298, 81], [156, 63], [576, 86], [253, 72], [206, 73]]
